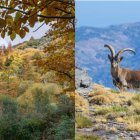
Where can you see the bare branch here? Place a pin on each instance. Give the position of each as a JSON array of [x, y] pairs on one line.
[[39, 27]]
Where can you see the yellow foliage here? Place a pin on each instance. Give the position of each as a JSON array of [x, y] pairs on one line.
[[52, 91]]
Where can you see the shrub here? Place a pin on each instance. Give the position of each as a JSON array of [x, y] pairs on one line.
[[100, 100], [136, 98], [119, 109], [103, 111], [24, 85], [66, 106], [9, 106], [64, 129], [86, 137], [44, 118], [51, 90], [137, 111], [82, 121]]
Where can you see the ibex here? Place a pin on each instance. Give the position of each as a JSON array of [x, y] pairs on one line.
[[123, 78]]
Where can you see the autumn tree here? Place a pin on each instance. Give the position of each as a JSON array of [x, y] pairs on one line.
[[18, 15]]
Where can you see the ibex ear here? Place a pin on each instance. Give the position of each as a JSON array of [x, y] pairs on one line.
[[109, 57], [121, 58]]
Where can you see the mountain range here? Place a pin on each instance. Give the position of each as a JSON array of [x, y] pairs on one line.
[[92, 56]]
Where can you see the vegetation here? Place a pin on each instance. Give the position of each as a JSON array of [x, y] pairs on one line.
[[28, 13], [82, 121], [37, 76], [86, 137], [108, 112]]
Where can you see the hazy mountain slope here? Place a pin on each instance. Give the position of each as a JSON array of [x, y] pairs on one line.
[[91, 55]]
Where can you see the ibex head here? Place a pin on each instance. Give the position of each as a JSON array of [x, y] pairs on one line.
[[116, 58]]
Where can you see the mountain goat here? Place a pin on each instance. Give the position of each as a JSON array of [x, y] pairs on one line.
[[123, 78]]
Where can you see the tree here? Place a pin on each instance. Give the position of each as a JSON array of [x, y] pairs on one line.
[[18, 15]]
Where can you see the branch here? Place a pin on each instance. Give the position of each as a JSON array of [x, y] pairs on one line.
[[61, 1], [39, 27], [61, 17], [62, 10], [9, 8], [26, 13]]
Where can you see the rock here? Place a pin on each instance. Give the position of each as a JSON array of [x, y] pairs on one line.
[[83, 82], [81, 74]]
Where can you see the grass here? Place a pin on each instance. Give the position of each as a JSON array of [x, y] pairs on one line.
[[82, 121], [100, 100], [81, 104], [119, 109], [86, 137], [114, 91], [133, 123], [136, 98], [103, 111], [109, 105]]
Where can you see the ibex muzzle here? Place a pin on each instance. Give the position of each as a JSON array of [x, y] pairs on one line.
[[123, 78]]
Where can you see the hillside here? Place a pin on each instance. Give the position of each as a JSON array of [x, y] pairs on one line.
[[91, 55], [107, 114], [36, 91], [104, 113]]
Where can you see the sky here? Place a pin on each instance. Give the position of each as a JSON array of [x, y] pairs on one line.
[[105, 13], [38, 34]]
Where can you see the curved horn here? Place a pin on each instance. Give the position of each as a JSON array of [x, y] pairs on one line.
[[111, 49], [123, 50]]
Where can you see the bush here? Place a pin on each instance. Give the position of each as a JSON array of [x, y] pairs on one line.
[[100, 100], [65, 129], [136, 98], [51, 90], [82, 121], [137, 111], [66, 106], [103, 111], [44, 118], [24, 85], [9, 106], [86, 137], [119, 109]]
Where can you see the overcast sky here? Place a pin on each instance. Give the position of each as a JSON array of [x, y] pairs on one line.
[[38, 34], [104, 13]]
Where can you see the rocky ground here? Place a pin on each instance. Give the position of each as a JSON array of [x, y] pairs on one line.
[[112, 115]]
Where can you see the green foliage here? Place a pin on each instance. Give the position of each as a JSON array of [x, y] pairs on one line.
[[9, 106], [33, 43], [66, 106], [41, 101], [32, 125], [119, 109], [64, 129]]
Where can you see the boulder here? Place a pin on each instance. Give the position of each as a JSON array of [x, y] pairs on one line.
[[83, 81]]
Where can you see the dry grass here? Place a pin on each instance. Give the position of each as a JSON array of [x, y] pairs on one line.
[[133, 123], [103, 96], [81, 104], [80, 136], [82, 121], [123, 107]]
